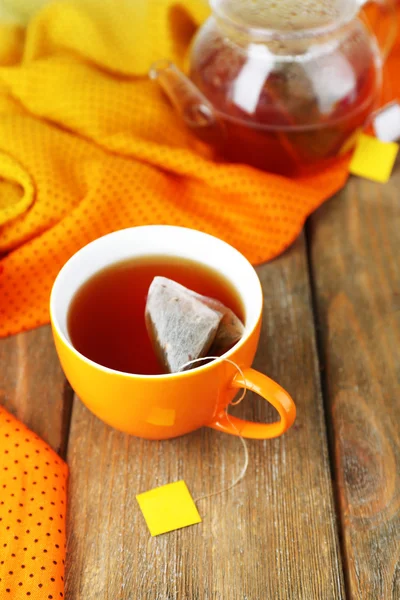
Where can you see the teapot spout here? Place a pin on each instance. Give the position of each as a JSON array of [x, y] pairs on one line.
[[197, 112]]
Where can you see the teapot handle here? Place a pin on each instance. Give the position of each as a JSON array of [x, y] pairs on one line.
[[383, 22], [197, 112]]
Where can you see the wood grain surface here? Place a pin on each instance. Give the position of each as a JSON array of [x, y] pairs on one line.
[[272, 537], [355, 248], [33, 387]]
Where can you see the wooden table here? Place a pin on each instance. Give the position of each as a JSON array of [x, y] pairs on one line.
[[317, 516]]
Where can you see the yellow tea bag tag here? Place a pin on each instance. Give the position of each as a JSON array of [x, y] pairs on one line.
[[168, 507], [373, 159]]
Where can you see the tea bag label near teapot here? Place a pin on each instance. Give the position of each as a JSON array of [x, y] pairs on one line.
[[184, 326]]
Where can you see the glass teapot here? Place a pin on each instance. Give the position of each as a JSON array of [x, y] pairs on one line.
[[282, 85]]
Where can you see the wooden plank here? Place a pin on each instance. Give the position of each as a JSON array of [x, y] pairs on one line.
[[355, 243], [272, 536], [33, 387]]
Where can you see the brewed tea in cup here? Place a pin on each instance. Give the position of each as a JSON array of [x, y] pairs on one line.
[[106, 317]]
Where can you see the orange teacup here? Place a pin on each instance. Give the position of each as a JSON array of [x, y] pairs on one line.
[[166, 406]]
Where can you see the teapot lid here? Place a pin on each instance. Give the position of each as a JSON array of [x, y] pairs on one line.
[[286, 16]]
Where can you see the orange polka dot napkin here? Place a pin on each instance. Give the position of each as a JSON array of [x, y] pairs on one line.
[[32, 515], [89, 145]]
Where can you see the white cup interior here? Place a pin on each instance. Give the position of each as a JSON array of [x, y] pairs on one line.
[[155, 240]]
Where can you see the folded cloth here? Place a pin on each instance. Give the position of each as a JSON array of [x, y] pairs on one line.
[[32, 514], [89, 145]]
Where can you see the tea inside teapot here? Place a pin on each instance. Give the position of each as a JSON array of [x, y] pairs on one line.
[[291, 87], [280, 85]]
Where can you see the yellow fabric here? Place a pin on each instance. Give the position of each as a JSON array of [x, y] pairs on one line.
[[89, 145]]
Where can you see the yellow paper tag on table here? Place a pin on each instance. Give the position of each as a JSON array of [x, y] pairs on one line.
[[168, 507], [373, 159]]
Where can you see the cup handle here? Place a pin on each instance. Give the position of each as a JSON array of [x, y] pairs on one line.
[[273, 393]]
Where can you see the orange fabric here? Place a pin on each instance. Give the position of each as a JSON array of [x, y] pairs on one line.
[[32, 515], [89, 145]]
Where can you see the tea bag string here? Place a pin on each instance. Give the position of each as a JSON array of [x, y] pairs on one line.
[[243, 471]]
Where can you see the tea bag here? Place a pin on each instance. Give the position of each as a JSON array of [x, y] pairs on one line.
[[230, 329], [184, 326]]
